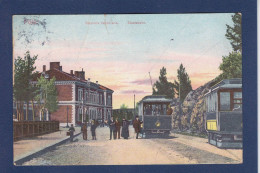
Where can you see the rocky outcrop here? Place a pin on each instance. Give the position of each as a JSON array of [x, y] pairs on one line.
[[190, 115]]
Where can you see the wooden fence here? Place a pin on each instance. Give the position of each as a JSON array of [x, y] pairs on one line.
[[24, 129]]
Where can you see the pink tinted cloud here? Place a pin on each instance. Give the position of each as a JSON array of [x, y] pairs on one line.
[[134, 92], [203, 75], [116, 87]]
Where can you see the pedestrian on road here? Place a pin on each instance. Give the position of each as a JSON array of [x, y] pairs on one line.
[[118, 127], [71, 130], [169, 110], [84, 131], [125, 129], [112, 127], [93, 127], [137, 126]]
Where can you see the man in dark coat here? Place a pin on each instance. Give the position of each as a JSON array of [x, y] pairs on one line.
[[125, 130], [84, 131], [93, 127], [118, 127], [71, 130], [137, 126], [112, 127]]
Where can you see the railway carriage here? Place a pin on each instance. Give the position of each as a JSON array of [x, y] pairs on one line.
[[152, 110], [224, 114]]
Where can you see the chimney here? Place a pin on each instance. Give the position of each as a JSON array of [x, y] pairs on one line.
[[80, 74], [60, 68], [44, 68], [71, 72], [54, 65]]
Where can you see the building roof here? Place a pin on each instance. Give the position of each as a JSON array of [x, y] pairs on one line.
[[226, 84], [63, 76], [156, 98]]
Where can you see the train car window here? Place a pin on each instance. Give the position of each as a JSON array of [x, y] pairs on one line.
[[148, 110], [208, 104], [224, 101], [237, 101], [153, 110], [164, 109]]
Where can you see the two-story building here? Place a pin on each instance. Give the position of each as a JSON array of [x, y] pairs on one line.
[[78, 99]]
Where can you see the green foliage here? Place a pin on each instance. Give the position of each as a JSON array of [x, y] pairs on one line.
[[23, 91], [163, 87], [234, 33], [183, 85], [48, 96], [123, 106], [23, 73], [123, 112], [231, 66]]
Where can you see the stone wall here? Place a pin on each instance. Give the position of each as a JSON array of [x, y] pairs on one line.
[[190, 115]]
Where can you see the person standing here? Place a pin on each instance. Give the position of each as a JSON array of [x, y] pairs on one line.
[[112, 127], [169, 110], [84, 131], [93, 127], [137, 126], [118, 127], [125, 129], [71, 130]]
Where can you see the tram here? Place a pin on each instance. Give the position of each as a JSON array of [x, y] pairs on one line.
[[224, 114], [152, 110]]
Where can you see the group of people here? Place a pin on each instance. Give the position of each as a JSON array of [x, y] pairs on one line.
[[84, 130], [157, 110], [114, 126]]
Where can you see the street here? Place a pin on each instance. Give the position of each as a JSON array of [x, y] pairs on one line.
[[177, 149]]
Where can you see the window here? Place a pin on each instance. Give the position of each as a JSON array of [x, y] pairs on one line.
[[212, 102], [100, 98], [80, 94], [86, 96], [237, 101], [80, 113], [224, 101], [109, 100], [91, 97]]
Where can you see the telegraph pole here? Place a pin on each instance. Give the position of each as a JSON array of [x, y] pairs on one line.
[[134, 105], [67, 117]]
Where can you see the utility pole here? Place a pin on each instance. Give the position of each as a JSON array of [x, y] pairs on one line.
[[134, 105], [67, 117], [151, 81]]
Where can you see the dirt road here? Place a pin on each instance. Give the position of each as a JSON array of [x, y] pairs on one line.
[[178, 149]]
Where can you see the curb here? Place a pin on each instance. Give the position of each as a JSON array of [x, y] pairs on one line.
[[19, 162]]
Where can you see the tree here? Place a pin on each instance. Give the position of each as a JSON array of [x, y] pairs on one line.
[[183, 85], [23, 90], [233, 33], [48, 97], [231, 66], [163, 87], [123, 106]]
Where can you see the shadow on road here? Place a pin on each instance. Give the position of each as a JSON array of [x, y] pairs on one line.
[[158, 137]]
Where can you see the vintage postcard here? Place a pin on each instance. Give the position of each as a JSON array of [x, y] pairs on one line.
[[127, 89]]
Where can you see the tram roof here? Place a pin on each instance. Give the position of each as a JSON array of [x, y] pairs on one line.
[[226, 84], [156, 98]]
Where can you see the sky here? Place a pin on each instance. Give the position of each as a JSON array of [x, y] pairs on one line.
[[119, 51]]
